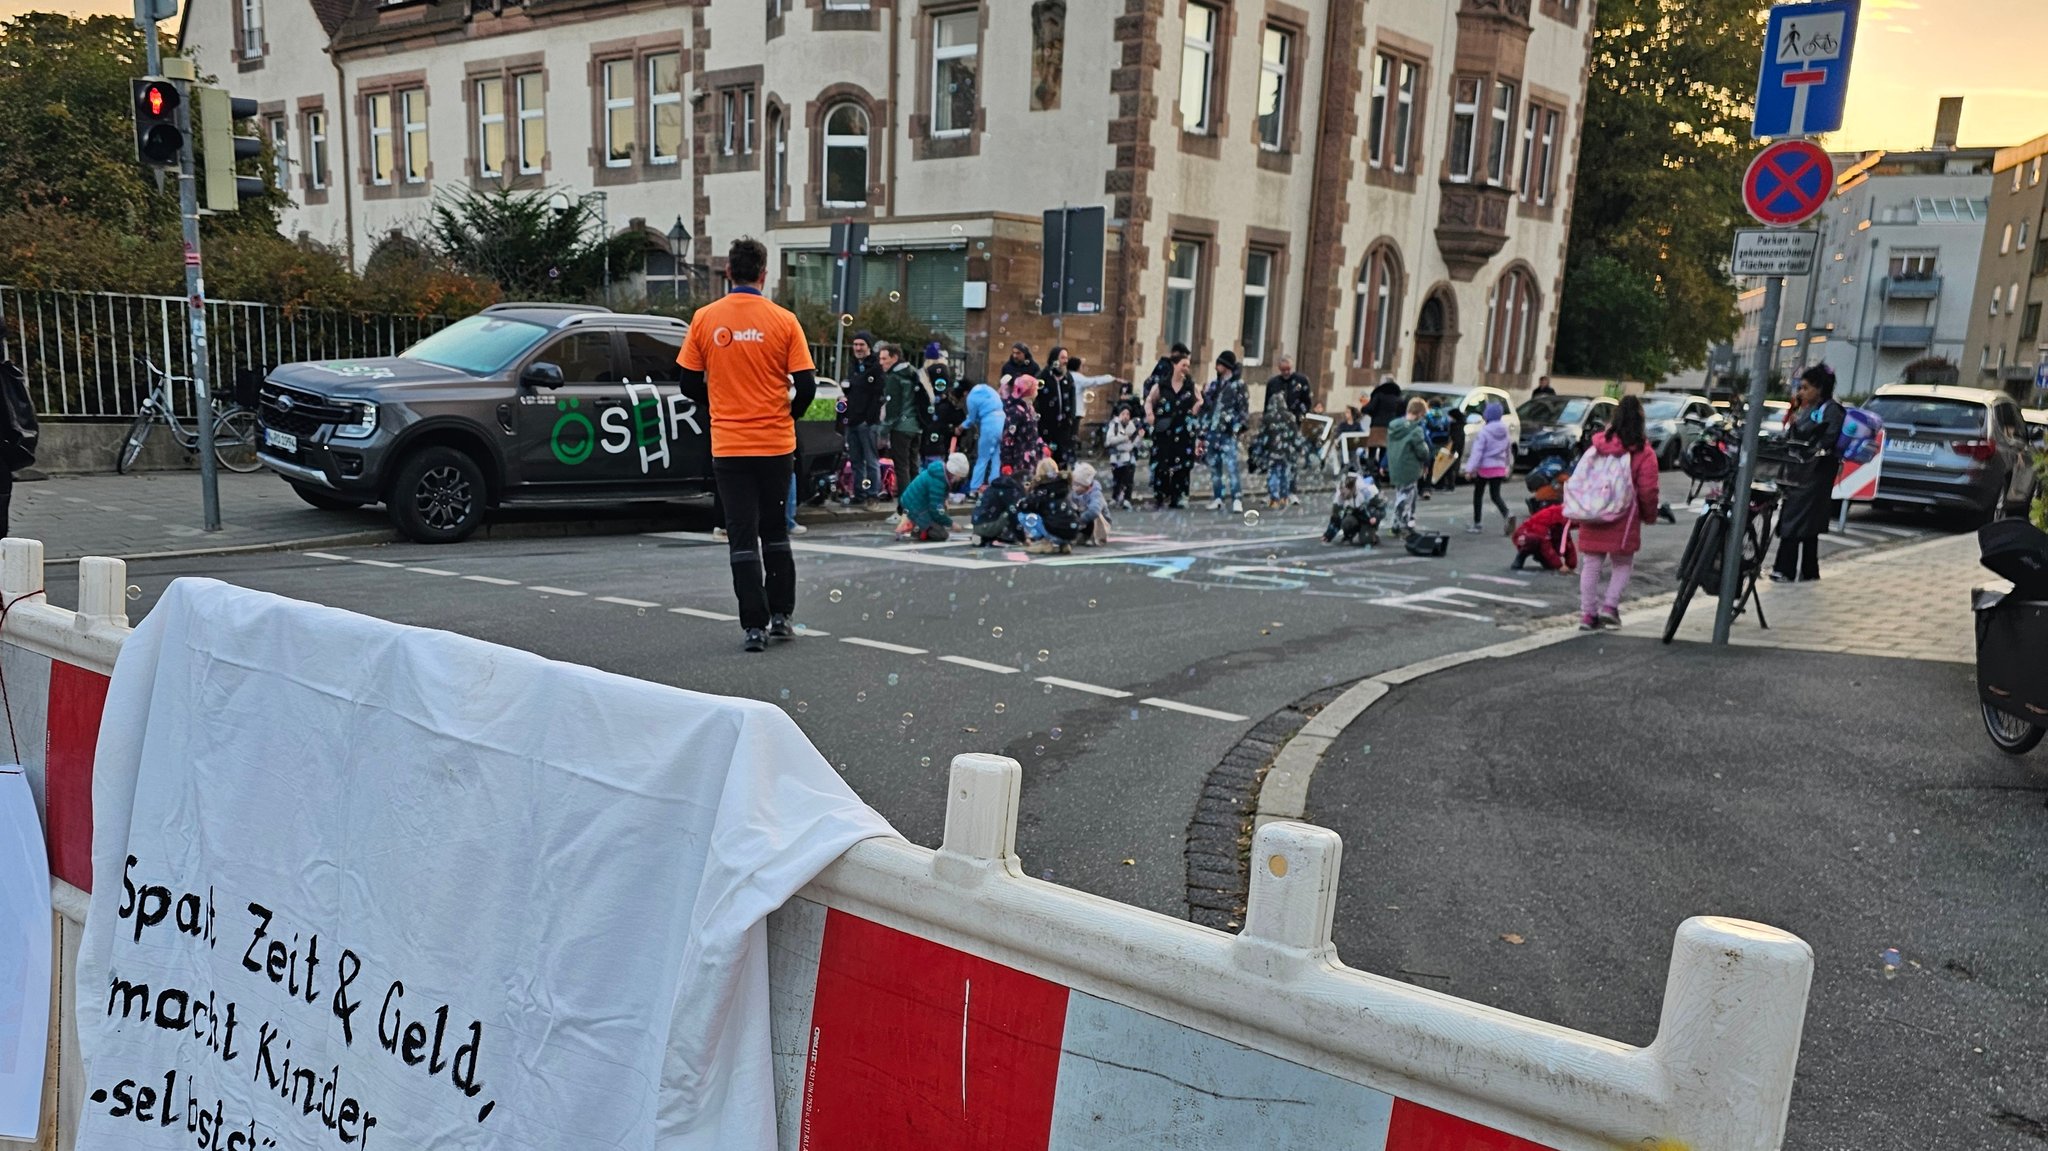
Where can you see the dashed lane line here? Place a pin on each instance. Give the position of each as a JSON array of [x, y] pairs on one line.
[[546, 590], [700, 613], [1191, 709], [494, 581], [325, 556], [878, 645], [1090, 688], [624, 602], [381, 564], [979, 665], [433, 571]]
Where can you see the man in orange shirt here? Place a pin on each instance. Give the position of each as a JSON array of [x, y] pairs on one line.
[[743, 353]]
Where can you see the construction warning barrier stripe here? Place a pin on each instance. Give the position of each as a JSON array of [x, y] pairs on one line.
[[944, 999]]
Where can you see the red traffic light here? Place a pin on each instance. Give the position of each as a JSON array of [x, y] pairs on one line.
[[155, 99], [158, 142]]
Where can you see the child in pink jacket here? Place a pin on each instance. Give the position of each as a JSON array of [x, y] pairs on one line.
[[1614, 545]]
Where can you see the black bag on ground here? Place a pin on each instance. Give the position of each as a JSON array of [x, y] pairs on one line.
[[2018, 551], [19, 432], [1433, 544]]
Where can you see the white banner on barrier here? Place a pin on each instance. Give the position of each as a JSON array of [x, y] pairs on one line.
[[24, 957], [358, 885]]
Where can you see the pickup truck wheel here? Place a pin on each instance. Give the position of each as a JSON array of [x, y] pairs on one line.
[[437, 496], [325, 502]]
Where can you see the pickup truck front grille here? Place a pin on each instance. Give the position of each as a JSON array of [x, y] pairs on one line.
[[299, 413]]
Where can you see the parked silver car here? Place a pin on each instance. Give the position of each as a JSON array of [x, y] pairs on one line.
[[1955, 449], [1674, 420]]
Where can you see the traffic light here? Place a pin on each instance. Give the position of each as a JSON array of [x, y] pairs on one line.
[[220, 188], [157, 138]]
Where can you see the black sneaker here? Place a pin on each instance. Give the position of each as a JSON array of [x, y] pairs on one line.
[[757, 640], [779, 627]]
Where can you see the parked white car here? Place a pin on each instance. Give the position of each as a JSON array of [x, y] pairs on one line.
[[1472, 401]]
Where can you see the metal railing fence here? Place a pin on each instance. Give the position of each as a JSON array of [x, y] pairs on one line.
[[81, 350]]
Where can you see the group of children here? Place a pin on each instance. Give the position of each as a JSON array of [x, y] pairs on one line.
[[1054, 513]]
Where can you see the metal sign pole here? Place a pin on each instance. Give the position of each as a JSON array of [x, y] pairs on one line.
[[1059, 315], [839, 299], [195, 308], [1745, 472]]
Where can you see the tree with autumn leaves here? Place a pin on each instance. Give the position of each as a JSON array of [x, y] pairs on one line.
[[1658, 194]]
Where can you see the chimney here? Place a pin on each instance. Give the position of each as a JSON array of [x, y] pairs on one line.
[[1947, 123]]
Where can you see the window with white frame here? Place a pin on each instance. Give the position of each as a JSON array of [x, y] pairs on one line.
[[1258, 295], [1499, 150], [778, 158], [252, 29], [490, 127], [1373, 309], [664, 107], [955, 47], [1546, 157], [746, 121], [533, 121], [383, 158], [1198, 70], [846, 156], [1511, 323], [2021, 243], [1404, 113], [1997, 293], [1532, 121], [619, 113], [1276, 57], [1376, 126], [2018, 172], [729, 121], [2005, 241], [1464, 127], [1913, 265], [1183, 289], [412, 103], [846, 5], [316, 149], [280, 150]]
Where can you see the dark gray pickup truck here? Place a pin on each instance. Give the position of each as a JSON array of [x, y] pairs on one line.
[[522, 404]]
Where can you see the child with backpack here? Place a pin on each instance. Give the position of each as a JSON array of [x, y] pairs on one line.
[[1121, 438], [995, 513], [1612, 494]]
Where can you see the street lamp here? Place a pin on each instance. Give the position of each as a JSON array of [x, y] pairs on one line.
[[678, 251]]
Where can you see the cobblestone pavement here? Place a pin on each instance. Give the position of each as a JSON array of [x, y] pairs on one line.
[[1907, 603]]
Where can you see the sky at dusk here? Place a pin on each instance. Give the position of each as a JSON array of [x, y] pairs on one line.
[[1909, 54]]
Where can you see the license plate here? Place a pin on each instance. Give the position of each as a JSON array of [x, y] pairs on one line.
[[1911, 447], [283, 441]]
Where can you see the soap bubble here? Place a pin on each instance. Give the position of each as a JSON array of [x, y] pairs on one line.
[[846, 319], [1251, 518], [924, 761], [1055, 733], [133, 592], [1043, 655], [802, 706], [895, 297], [1001, 708], [1091, 603], [860, 697], [958, 230], [890, 614], [996, 631], [785, 693], [1039, 750], [835, 595], [893, 679]]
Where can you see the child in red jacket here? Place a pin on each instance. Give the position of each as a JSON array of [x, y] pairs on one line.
[[1546, 536]]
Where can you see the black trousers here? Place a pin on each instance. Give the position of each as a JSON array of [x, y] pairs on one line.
[[1798, 558], [751, 491], [1481, 486]]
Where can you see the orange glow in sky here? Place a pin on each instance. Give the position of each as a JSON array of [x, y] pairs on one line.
[[1909, 54]]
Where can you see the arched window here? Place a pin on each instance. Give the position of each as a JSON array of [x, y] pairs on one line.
[[1378, 300], [846, 156], [778, 158], [1511, 323]]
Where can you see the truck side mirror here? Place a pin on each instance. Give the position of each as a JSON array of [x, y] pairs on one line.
[[541, 374]]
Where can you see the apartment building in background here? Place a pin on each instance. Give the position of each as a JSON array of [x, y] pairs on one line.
[[2006, 341], [1375, 189]]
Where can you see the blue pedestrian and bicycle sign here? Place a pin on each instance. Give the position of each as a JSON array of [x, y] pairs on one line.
[[1788, 182], [1804, 84]]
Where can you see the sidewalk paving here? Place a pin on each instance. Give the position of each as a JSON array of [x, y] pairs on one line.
[[158, 513], [1905, 603]]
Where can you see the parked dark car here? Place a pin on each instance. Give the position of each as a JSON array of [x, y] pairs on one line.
[[1674, 420], [1955, 449], [524, 403], [1557, 425]]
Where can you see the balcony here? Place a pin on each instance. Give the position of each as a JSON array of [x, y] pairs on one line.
[[1912, 287], [1472, 226], [1905, 336]]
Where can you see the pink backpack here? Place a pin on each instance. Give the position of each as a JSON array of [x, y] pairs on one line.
[[1602, 489]]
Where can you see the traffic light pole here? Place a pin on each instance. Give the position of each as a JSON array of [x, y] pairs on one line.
[[195, 313], [1745, 471]]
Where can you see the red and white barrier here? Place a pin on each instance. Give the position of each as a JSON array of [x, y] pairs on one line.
[[943, 999], [1857, 483]]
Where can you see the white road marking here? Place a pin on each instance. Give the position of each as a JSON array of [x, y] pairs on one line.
[[1191, 709], [546, 590], [381, 564], [433, 571], [1091, 689], [804, 629], [901, 556], [979, 665], [1506, 580], [624, 602], [141, 517], [700, 613], [878, 645], [494, 581], [325, 556]]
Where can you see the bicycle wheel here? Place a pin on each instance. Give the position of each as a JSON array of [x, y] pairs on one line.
[[1700, 552], [234, 440], [131, 447], [2013, 735]]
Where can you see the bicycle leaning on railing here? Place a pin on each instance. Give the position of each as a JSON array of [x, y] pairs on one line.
[[1711, 460], [235, 435]]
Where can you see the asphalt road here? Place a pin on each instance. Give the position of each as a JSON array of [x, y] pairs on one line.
[[1851, 800], [1168, 646]]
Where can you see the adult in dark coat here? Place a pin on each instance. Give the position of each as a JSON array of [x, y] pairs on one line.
[[1020, 363], [1057, 418], [1171, 409], [1808, 503]]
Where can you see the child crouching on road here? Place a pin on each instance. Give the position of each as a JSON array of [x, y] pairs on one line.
[[924, 499], [1085, 497], [1546, 538], [1355, 511], [1045, 514]]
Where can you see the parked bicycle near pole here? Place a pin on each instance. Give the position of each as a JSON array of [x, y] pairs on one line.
[[1711, 460], [234, 426]]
